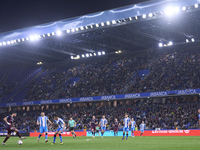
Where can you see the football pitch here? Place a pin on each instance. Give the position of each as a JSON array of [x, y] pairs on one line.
[[107, 143]]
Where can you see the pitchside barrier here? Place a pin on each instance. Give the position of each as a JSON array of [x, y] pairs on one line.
[[78, 133], [14, 134], [155, 133]]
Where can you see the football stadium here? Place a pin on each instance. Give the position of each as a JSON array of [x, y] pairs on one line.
[[124, 78]]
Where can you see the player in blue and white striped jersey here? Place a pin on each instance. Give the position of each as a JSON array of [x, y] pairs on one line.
[[61, 128], [126, 122], [133, 124], [142, 127], [42, 122], [103, 124]]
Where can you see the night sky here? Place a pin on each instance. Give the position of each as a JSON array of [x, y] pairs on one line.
[[16, 14]]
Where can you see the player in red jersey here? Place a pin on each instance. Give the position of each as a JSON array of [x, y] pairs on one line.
[[10, 127], [93, 124], [116, 125]]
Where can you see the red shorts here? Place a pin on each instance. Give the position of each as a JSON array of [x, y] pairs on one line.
[[115, 129], [11, 129]]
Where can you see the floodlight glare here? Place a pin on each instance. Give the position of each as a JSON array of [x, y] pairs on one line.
[[68, 31], [0, 44], [36, 37], [90, 54], [160, 44], [97, 25], [99, 53], [136, 17], [95, 54], [192, 40], [170, 43], [72, 57], [183, 8], [53, 33], [150, 15], [4, 43], [169, 11], [23, 39], [102, 24], [8, 42], [48, 34], [196, 5], [78, 56], [176, 9], [82, 28], [103, 53], [83, 55], [76, 29], [86, 27], [27, 38], [113, 22], [108, 23], [130, 18], [87, 55], [43, 35], [19, 40], [12, 42], [91, 26], [73, 30], [144, 16], [58, 32], [187, 41]]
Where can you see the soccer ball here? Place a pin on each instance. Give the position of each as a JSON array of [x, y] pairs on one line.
[[20, 142]]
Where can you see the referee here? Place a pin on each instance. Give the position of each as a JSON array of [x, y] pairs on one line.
[[71, 125]]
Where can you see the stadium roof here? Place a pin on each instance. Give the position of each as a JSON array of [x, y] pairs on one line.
[[137, 27]]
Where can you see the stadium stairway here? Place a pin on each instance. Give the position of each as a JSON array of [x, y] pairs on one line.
[[24, 84]]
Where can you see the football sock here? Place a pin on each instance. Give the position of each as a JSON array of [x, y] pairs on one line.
[[39, 136], [7, 137], [123, 135], [126, 135], [54, 138], [46, 136], [18, 134], [60, 138]]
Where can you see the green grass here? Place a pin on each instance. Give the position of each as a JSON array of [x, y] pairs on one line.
[[107, 143]]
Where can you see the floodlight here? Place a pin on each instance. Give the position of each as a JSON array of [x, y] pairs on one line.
[[187, 41], [183, 8], [95, 54], [53, 33], [144, 16], [150, 15], [48, 34], [160, 44], [72, 57], [196, 5], [23, 39], [192, 40], [36, 37], [99, 53], [4, 43], [108, 23], [170, 43], [136, 17], [102, 24], [169, 11], [73, 30], [91, 26], [130, 18], [31, 38], [90, 54], [82, 28], [103, 53], [58, 32], [68, 31], [86, 27], [78, 56], [97, 25], [176, 9], [0, 44], [83, 55], [12, 42], [19, 40], [76, 29], [27, 38], [87, 55], [42, 35], [119, 51], [8, 42], [113, 22]]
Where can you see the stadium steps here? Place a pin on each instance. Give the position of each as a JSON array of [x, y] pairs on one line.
[[25, 83]]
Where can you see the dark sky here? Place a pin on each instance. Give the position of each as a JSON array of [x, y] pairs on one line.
[[15, 14]]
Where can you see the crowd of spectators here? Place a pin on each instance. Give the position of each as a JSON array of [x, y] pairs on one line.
[[178, 113]]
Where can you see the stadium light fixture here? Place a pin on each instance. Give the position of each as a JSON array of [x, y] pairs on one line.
[[81, 28], [187, 41], [97, 25], [77, 29], [130, 19], [59, 32], [102, 24], [8, 42], [184, 8], [108, 23], [27, 38], [83, 56], [87, 55], [43, 35], [68, 31], [31, 38], [136, 17], [19, 40], [176, 9], [103, 53], [23, 39], [78, 56], [95, 54], [150, 15], [90, 54], [144, 16], [196, 5], [170, 43], [113, 22], [72, 57], [192, 40], [169, 11], [73, 30], [91, 26], [36, 37], [12, 42], [53, 33], [0, 44], [99, 53], [48, 34], [39, 63], [4, 43], [86, 27], [160, 44]]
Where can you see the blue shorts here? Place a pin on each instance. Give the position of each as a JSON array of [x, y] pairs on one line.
[[103, 128], [60, 129], [141, 130], [126, 129], [132, 129], [43, 129]]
